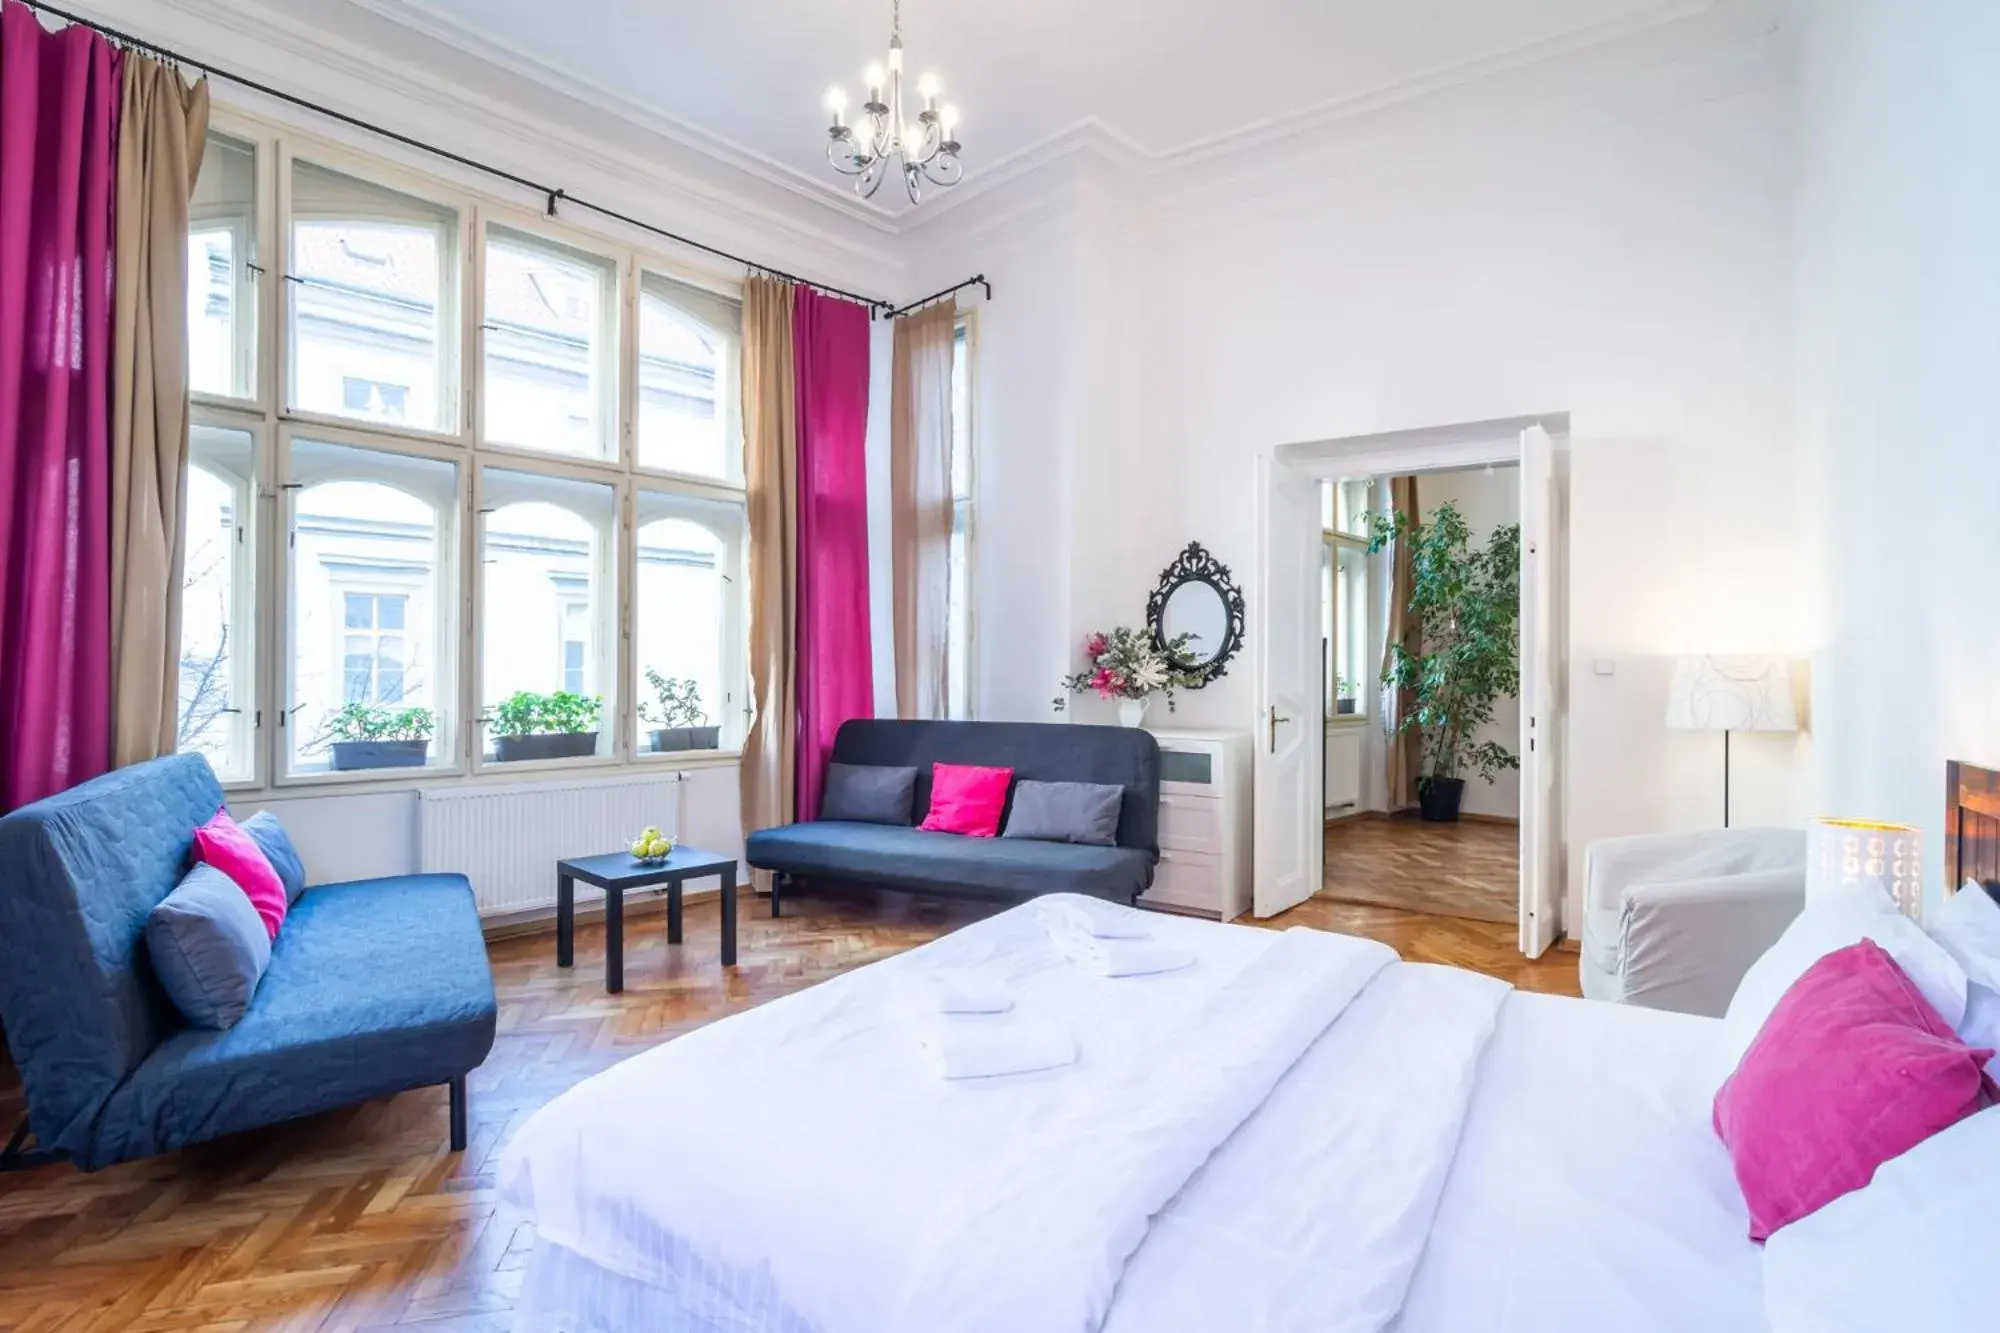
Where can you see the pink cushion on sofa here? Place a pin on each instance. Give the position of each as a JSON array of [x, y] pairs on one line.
[[222, 843], [1852, 1068], [967, 799]]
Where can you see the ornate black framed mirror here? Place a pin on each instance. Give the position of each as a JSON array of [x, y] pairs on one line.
[[1197, 597]]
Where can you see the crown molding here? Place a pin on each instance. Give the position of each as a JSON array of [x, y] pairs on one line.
[[340, 66]]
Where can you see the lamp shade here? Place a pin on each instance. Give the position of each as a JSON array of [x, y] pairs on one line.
[[1860, 851], [1720, 693]]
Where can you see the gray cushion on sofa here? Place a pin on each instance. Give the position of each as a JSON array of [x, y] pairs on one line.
[[209, 948], [907, 858], [1080, 812], [869, 794], [272, 840]]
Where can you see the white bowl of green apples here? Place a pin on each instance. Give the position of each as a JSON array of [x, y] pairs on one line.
[[652, 847]]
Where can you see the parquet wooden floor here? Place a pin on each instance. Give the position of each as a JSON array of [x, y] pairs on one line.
[[360, 1220], [1469, 868]]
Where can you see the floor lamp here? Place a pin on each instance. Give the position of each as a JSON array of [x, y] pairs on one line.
[[1725, 694]]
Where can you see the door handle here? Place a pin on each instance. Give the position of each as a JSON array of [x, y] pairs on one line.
[[1276, 718]]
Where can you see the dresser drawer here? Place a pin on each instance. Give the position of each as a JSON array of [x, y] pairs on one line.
[[1191, 880], [1191, 823], [1191, 768]]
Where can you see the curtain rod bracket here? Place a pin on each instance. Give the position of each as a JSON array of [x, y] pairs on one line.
[[554, 195]]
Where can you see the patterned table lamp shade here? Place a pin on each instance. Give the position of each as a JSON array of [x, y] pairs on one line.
[[1724, 693], [1860, 851]]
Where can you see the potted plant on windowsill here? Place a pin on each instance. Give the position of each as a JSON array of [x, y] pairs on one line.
[[1463, 655], [362, 736], [527, 725], [676, 715], [1346, 695]]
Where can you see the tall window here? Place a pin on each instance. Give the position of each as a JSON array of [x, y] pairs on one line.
[[1344, 598], [958, 664], [222, 271], [373, 301], [370, 604], [549, 600], [689, 400], [549, 330], [218, 604]]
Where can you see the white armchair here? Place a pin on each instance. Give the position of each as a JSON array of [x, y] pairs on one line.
[[1674, 920]]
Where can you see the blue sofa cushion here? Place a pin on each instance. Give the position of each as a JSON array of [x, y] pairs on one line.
[[79, 874], [1080, 812], [276, 844], [374, 986], [906, 858], [1037, 752], [209, 948]]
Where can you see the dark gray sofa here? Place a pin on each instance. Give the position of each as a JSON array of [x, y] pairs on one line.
[[374, 987], [886, 856]]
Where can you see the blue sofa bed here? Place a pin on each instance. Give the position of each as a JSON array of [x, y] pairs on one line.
[[895, 857], [374, 987]]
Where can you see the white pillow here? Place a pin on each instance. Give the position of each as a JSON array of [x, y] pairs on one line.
[[1912, 1250], [1834, 919], [1968, 928]]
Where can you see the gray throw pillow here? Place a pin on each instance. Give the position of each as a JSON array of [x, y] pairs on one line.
[[864, 794], [209, 948], [272, 840], [1085, 812]]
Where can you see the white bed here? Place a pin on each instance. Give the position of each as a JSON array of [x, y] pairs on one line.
[[1298, 1133]]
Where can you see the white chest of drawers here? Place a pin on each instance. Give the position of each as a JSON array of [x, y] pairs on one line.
[[1204, 865]]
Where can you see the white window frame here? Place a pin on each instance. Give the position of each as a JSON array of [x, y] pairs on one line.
[[611, 320], [731, 403], [247, 581], [1336, 544], [267, 577], [735, 627]]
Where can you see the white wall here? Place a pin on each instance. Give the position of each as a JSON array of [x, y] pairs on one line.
[[1487, 499], [1608, 237], [1899, 396]]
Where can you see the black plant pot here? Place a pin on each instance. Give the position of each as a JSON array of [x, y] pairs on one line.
[[1344, 707], [669, 740], [1438, 798], [704, 738], [550, 745], [352, 756]]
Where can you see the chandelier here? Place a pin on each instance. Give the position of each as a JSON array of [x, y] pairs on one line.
[[925, 149]]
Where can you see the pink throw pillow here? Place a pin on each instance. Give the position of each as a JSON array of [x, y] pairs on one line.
[[1852, 1068], [967, 799], [222, 843]]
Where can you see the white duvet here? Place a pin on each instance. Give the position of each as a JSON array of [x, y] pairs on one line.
[[1257, 1142]]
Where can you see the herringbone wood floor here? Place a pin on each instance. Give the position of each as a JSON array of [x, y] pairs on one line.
[[361, 1220], [1470, 868]]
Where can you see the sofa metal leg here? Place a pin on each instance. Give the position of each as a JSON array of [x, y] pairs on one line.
[[16, 1156], [457, 1087], [777, 887]]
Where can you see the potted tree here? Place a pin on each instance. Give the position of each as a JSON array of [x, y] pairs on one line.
[[1466, 604], [676, 715], [527, 725], [362, 736]]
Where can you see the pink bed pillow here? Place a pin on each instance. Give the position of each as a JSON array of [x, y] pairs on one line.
[[1853, 1068], [967, 799], [222, 843]]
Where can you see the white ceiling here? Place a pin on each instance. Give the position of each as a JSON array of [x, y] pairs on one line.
[[745, 77]]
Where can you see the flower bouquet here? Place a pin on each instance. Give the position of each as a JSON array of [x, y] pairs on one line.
[[1127, 666]]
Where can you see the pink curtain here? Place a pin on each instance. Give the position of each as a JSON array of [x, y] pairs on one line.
[[835, 668], [59, 99]]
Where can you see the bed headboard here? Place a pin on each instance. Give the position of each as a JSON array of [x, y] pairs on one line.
[[1971, 827]]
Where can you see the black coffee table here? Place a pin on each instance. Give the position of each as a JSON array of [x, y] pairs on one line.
[[615, 872]]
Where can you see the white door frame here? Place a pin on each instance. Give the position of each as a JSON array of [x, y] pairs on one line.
[[1443, 449]]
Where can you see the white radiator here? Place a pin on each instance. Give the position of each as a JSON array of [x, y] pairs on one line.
[[507, 840]]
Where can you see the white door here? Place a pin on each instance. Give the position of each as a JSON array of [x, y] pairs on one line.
[[1541, 658], [1290, 821]]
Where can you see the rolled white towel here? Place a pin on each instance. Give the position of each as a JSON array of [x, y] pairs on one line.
[[959, 993], [1120, 958], [989, 1048], [1091, 916]]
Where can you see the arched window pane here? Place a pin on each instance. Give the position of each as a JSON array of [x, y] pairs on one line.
[[684, 583], [370, 610], [216, 716]]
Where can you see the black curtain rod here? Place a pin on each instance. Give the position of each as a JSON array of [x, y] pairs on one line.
[[976, 280], [551, 194]]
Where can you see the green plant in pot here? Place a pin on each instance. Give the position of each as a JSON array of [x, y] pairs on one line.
[[362, 736], [676, 716], [1465, 602], [526, 725], [1346, 696]]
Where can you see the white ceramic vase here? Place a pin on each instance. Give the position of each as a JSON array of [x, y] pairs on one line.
[[1132, 712]]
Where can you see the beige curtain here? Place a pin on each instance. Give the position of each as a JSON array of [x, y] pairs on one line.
[[770, 465], [162, 130], [920, 509], [1405, 750]]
